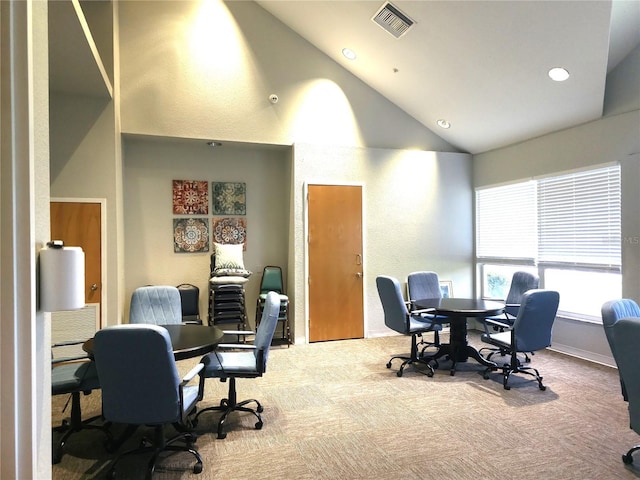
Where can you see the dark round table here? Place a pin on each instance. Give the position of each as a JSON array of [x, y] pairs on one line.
[[458, 310]]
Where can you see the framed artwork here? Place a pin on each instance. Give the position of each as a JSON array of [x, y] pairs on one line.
[[190, 235], [230, 230], [229, 198], [190, 197], [446, 287]]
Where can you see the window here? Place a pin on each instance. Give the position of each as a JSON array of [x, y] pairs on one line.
[[566, 227]]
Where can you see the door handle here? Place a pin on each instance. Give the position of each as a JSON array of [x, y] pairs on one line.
[[94, 287], [359, 274]]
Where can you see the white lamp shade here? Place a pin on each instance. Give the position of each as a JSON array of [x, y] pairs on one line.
[[61, 279]]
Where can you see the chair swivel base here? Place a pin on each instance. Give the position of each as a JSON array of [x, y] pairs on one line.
[[229, 405], [507, 370], [410, 361], [161, 445], [627, 458]]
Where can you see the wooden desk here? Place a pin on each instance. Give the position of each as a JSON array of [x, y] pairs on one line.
[[187, 340], [458, 310]]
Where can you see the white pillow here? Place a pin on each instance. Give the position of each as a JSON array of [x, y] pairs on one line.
[[229, 256]]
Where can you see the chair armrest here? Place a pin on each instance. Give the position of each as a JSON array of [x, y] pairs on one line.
[[66, 344], [423, 310], [496, 323], [192, 373], [238, 346], [55, 361], [238, 332]]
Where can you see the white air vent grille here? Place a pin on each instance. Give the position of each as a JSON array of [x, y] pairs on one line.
[[392, 20]]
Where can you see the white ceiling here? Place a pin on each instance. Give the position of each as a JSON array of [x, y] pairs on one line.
[[481, 65]]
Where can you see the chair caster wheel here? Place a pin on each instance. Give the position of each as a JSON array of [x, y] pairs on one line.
[[430, 374], [399, 373], [260, 409], [507, 387], [222, 435], [452, 373], [627, 459], [543, 388], [485, 376], [197, 468], [258, 425], [389, 365]]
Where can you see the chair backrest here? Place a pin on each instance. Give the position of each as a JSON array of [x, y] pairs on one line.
[[423, 285], [533, 325], [612, 311], [156, 305], [266, 329], [271, 280], [138, 375], [189, 300], [396, 316], [520, 283], [626, 339]]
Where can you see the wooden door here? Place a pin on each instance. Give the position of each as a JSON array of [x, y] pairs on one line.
[[335, 263], [78, 224]]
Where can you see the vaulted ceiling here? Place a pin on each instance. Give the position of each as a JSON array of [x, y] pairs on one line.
[[480, 65]]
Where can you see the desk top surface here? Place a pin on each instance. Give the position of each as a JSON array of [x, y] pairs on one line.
[[470, 307], [187, 340]]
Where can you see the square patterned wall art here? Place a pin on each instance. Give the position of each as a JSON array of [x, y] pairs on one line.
[[230, 230], [190, 197], [229, 198], [190, 235]]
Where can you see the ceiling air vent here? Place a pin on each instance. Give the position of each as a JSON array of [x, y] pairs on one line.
[[392, 20]]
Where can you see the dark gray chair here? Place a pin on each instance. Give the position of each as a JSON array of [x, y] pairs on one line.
[[74, 376], [398, 318], [232, 361], [612, 311], [190, 303], [531, 331], [626, 338], [425, 285], [141, 386], [156, 305]]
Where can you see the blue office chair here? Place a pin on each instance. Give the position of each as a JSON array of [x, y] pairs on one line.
[[156, 305], [245, 361], [398, 318], [531, 331], [612, 311], [626, 338], [141, 386], [425, 285]]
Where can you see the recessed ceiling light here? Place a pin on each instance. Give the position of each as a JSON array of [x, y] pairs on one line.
[[214, 144], [349, 54], [442, 123], [558, 74]]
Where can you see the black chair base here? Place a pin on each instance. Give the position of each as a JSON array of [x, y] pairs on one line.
[[230, 404], [627, 458], [509, 369], [76, 424], [161, 444], [414, 358]]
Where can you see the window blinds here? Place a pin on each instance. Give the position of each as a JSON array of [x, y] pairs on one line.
[[506, 221], [579, 218]]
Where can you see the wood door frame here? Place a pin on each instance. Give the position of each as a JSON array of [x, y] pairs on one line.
[[103, 247], [305, 186]]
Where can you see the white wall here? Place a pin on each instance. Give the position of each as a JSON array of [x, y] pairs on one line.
[[614, 138]]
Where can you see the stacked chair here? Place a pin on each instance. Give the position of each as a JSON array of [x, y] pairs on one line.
[[190, 300], [227, 304], [272, 282]]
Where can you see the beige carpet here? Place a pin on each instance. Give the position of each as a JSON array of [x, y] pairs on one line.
[[334, 411]]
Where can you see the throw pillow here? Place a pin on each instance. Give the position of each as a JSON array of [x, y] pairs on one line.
[[229, 256]]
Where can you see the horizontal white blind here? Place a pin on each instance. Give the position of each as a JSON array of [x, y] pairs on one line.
[[506, 221], [579, 218]]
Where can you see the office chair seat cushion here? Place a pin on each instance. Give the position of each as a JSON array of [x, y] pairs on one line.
[[500, 338], [418, 323], [72, 377], [218, 364], [228, 279]]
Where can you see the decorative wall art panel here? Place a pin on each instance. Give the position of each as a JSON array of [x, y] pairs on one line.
[[190, 235], [229, 198], [228, 230], [190, 197]]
